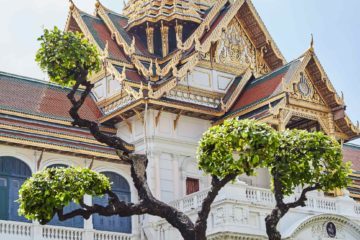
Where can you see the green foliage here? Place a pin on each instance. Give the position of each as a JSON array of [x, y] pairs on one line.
[[54, 188], [296, 157], [309, 158], [236, 147], [65, 54]]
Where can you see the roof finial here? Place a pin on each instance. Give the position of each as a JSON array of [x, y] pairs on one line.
[[312, 43], [72, 5], [97, 4]]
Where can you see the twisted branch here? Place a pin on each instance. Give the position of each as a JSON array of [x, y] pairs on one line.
[[148, 203]]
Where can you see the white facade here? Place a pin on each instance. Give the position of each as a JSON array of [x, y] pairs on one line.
[[237, 213], [170, 142]]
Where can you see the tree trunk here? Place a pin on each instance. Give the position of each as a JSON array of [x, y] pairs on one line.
[[200, 234], [272, 221]]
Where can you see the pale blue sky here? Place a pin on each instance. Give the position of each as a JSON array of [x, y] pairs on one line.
[[335, 25]]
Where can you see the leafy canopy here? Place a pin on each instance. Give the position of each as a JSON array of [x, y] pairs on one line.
[[236, 147], [295, 157], [65, 54], [54, 188], [307, 159]]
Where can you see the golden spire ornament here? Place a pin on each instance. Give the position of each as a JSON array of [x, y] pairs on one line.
[[312, 43]]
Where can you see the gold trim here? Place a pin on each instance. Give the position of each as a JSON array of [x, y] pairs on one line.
[[34, 117], [120, 111], [128, 49], [55, 147], [309, 105], [52, 134], [245, 79], [265, 31], [190, 109], [258, 105]]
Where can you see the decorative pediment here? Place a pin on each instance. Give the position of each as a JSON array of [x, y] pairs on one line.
[[303, 89], [234, 52], [235, 48]]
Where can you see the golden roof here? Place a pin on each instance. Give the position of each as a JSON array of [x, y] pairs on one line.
[[139, 11]]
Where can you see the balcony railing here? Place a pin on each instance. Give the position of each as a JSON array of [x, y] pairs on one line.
[[264, 197], [27, 231]]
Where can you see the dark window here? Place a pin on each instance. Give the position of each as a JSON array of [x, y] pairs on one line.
[[157, 41], [192, 185], [114, 223], [13, 173]]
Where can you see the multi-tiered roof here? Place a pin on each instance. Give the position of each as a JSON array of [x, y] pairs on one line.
[[154, 45]]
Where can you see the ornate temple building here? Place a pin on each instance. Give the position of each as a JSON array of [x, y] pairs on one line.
[[173, 68]]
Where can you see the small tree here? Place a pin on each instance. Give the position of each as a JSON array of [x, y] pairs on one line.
[[310, 160]]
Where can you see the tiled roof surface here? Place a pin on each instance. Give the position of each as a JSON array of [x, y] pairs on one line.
[[120, 23], [260, 88], [131, 74], [351, 153], [40, 98], [23, 97], [102, 35]]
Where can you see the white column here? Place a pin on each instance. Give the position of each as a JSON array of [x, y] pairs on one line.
[[88, 223], [176, 174], [37, 231], [157, 174], [150, 171]]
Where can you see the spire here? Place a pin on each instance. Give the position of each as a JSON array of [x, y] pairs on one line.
[[312, 43], [140, 11], [97, 4], [71, 5]]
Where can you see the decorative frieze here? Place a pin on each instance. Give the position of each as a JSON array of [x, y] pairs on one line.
[[194, 98], [118, 104]]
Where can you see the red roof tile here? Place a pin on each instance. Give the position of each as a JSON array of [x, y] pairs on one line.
[[352, 154], [102, 35], [40, 98], [257, 91]]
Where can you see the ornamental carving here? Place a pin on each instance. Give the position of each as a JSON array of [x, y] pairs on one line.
[[328, 230], [304, 90], [235, 49]]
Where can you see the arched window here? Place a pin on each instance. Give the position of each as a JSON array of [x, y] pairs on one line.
[[114, 223], [13, 173], [77, 222]]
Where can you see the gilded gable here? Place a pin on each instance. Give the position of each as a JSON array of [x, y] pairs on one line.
[[303, 88], [235, 49]]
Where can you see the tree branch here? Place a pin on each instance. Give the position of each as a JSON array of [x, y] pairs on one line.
[[203, 214], [148, 203], [112, 141], [302, 199], [153, 206]]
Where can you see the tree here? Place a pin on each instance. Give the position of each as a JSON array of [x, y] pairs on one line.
[[68, 58], [310, 160]]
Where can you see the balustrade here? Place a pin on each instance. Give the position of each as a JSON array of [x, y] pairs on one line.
[[260, 196], [111, 236], [25, 231], [20, 230]]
